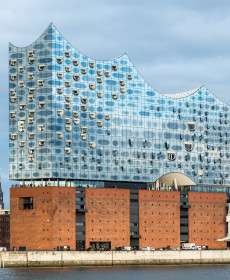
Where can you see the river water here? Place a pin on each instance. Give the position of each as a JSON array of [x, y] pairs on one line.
[[120, 273]]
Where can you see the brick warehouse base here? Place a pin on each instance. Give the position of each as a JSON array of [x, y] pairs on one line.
[[107, 217], [159, 219], [42, 218], [46, 218], [207, 213]]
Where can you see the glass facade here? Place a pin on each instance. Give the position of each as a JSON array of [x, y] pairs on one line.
[[76, 118]]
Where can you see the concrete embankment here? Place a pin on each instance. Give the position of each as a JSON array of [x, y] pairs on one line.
[[75, 258]]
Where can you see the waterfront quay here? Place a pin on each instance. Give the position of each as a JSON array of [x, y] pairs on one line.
[[110, 258]]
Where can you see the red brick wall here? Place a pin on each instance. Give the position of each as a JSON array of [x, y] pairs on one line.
[[207, 214], [50, 224], [159, 219], [107, 216]]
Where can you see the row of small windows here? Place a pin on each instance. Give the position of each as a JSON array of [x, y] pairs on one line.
[[114, 95], [98, 176], [84, 131], [76, 77], [30, 56], [75, 62], [21, 69], [31, 95]]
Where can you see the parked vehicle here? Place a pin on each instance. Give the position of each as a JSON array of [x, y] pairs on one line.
[[3, 249], [126, 248], [189, 246], [148, 249]]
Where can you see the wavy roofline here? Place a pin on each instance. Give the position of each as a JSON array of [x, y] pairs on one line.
[[54, 26], [171, 96], [31, 44], [182, 94], [193, 92]]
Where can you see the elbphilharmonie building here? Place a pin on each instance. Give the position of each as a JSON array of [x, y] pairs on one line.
[[160, 163], [80, 119]]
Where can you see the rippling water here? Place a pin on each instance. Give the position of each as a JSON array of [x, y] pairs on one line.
[[120, 273]]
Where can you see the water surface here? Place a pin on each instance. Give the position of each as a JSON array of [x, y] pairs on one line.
[[120, 273]]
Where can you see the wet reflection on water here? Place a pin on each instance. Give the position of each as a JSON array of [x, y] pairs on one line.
[[120, 273]]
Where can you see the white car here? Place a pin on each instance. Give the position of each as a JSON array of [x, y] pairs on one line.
[[148, 249], [2, 249], [126, 248]]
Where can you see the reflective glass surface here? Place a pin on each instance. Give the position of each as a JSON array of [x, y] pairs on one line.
[[73, 117]]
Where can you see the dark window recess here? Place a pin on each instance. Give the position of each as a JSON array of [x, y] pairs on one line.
[[22, 248], [184, 216], [26, 203], [191, 126], [134, 219], [80, 220], [171, 156], [80, 245], [166, 146], [188, 147]]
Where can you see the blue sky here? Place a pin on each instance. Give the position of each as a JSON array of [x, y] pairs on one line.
[[176, 45]]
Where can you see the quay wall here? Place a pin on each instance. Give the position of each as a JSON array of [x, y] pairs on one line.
[[91, 258]]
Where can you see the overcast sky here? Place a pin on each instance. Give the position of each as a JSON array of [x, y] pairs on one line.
[[176, 45]]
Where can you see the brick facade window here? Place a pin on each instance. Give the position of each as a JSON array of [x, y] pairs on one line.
[[26, 203]]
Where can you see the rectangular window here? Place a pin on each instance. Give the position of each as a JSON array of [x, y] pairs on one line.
[[191, 126], [26, 203]]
